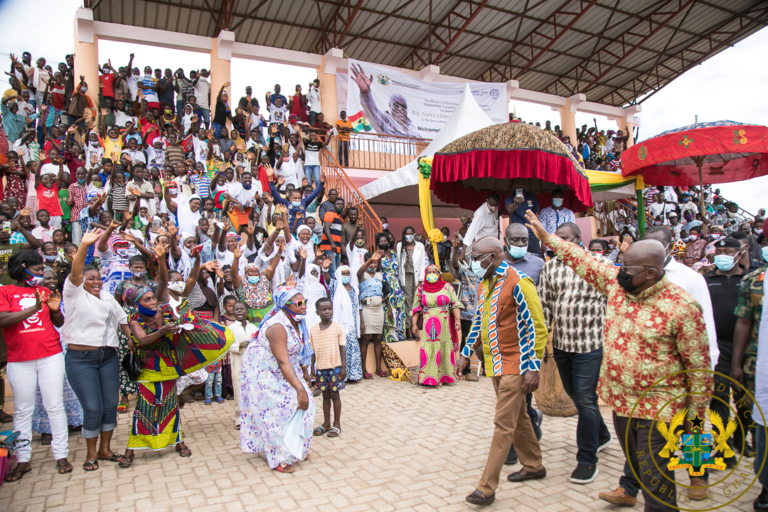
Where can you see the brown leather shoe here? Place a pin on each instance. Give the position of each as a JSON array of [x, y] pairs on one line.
[[699, 489], [471, 377], [618, 497], [478, 498], [523, 475]]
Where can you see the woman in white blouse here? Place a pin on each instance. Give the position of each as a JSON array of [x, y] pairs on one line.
[[93, 317]]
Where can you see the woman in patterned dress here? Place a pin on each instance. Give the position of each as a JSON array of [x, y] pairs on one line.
[[440, 309], [166, 352], [274, 382], [346, 312], [139, 278], [16, 176], [394, 308]]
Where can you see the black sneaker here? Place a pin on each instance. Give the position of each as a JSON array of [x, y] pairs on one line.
[[761, 502], [511, 457], [584, 474], [604, 444], [538, 420]]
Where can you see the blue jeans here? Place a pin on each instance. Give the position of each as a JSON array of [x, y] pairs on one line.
[[72, 119], [213, 385], [335, 258], [313, 173], [205, 113], [94, 376], [580, 373], [217, 129]]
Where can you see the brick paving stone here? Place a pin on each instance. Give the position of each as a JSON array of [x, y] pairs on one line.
[[402, 448]]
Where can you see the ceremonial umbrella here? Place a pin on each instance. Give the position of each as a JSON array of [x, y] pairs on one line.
[[699, 154], [505, 157]]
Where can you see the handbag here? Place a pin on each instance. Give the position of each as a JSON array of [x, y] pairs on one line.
[[131, 365], [9, 442]]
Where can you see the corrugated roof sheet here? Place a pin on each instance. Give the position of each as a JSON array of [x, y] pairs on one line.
[[615, 52]]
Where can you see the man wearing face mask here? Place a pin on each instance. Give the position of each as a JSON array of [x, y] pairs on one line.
[[552, 217], [485, 221], [509, 325], [516, 206], [575, 314], [734, 219], [674, 341], [745, 258], [724, 284]]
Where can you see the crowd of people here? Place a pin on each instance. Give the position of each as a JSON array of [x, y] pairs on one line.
[[148, 251], [594, 149]]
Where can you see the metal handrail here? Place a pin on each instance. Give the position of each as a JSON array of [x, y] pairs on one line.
[[338, 179], [379, 152]]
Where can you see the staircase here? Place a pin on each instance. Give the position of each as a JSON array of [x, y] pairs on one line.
[[336, 178]]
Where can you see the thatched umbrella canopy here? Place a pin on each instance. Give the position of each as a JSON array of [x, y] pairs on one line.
[[503, 158]]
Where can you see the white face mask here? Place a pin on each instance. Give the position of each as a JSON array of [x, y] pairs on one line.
[[176, 286], [123, 253]]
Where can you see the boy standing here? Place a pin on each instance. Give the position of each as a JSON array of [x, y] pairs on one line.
[[329, 364]]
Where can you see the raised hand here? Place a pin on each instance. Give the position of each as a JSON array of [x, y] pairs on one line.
[[159, 250], [282, 208], [54, 301], [279, 225], [172, 230], [251, 227], [114, 224], [323, 177], [280, 181], [91, 236], [378, 255], [237, 252], [25, 211], [291, 281], [625, 244], [299, 215], [302, 253], [535, 225], [326, 264], [127, 236], [318, 252]]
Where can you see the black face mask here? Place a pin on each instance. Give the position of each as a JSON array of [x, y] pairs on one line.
[[383, 247], [625, 281]]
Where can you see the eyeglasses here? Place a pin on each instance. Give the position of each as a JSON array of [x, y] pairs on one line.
[[298, 304]]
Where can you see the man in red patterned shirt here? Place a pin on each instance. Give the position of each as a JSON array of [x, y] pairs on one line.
[[653, 329]]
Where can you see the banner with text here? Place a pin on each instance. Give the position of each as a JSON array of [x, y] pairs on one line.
[[388, 102]]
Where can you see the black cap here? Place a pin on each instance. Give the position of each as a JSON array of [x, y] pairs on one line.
[[728, 242]]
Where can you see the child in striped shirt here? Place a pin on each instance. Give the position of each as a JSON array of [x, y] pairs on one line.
[[329, 365]]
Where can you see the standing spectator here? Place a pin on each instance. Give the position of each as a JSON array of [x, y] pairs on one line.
[[413, 266], [29, 314], [315, 107], [165, 91], [517, 206], [222, 114], [552, 217], [312, 149], [297, 106], [202, 89], [344, 127], [348, 230], [331, 241], [485, 221]]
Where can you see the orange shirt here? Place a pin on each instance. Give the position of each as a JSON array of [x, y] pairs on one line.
[[326, 345], [343, 124]]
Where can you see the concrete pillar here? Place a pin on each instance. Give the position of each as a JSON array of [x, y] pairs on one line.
[[87, 54], [568, 121], [326, 73], [221, 62], [630, 135]]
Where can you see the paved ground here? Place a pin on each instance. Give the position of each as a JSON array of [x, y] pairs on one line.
[[403, 448]]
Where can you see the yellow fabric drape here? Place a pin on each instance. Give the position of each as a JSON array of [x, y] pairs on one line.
[[425, 206]]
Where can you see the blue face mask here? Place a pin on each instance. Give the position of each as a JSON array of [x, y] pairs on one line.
[[478, 270], [345, 279], [81, 181], [764, 252], [295, 204], [517, 252], [557, 202], [724, 262], [145, 311], [254, 279]]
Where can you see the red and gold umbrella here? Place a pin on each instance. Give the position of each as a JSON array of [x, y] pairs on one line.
[[699, 154]]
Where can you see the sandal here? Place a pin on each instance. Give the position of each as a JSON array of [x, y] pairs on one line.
[[15, 475], [382, 373], [318, 431], [367, 376], [114, 458], [184, 452], [6, 418], [45, 439], [65, 468], [220, 400], [207, 401], [334, 432], [285, 468], [122, 408], [91, 465], [125, 461]]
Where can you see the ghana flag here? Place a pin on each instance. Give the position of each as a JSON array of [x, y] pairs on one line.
[[360, 122]]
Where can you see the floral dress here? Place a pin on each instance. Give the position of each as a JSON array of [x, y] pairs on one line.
[[16, 186], [436, 355], [394, 330], [267, 400]]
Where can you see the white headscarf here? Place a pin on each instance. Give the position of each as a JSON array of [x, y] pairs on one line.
[[309, 247], [184, 265], [356, 256], [186, 121], [312, 291], [344, 312]]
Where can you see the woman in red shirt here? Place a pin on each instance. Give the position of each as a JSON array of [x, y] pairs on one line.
[[29, 314]]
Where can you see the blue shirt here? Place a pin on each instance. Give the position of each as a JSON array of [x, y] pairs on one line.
[[292, 210], [518, 216], [530, 265]]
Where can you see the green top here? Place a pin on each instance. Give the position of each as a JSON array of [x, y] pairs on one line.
[[750, 305], [66, 210]]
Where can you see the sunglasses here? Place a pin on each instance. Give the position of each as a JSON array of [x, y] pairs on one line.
[[299, 304]]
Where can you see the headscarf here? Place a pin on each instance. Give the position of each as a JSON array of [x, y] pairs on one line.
[[186, 120], [308, 247], [312, 291], [280, 298], [132, 294], [344, 312], [184, 265], [436, 287]]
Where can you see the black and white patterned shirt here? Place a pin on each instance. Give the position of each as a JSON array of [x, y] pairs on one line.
[[574, 311]]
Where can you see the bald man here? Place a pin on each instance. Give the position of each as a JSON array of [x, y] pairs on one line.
[[653, 329], [516, 239], [509, 323]]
